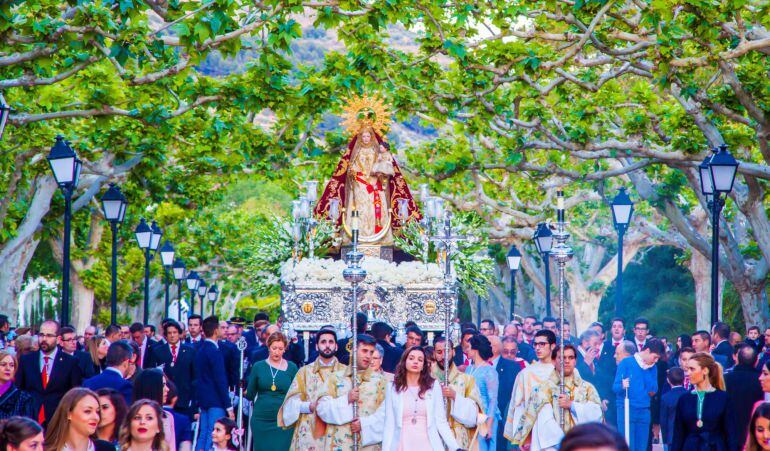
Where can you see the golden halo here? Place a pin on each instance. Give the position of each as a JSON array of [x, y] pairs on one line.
[[366, 111]]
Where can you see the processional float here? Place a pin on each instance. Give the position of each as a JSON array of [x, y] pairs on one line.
[[369, 202]]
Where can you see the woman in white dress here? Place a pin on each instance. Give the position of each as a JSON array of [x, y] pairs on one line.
[[415, 416]]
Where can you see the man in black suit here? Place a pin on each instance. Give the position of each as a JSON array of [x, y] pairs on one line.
[[118, 360], [507, 370], [743, 386], [461, 359], [195, 332], [69, 344], [382, 333], [720, 334], [211, 384], [178, 362], [140, 338], [47, 374], [230, 354], [668, 403]]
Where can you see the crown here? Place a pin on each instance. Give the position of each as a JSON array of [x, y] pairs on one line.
[[366, 111]]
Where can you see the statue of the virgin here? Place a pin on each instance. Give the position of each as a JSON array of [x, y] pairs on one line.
[[367, 179]]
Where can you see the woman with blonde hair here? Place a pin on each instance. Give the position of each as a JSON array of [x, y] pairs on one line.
[[704, 417], [142, 429], [26, 344], [75, 423], [13, 402], [97, 347]]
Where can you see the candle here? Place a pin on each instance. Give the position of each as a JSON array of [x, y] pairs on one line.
[[439, 209], [354, 221], [424, 192], [305, 207], [311, 187], [334, 209], [403, 210], [295, 209]]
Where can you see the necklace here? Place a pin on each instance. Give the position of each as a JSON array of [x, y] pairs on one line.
[[701, 394], [273, 387]]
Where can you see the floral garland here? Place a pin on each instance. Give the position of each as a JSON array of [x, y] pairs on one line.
[[323, 271]]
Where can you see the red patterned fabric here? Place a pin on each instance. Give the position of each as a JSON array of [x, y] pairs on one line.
[[335, 188]]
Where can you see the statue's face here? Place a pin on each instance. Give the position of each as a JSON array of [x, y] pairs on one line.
[[366, 137]]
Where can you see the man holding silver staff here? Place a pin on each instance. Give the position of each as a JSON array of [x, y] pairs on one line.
[[335, 406], [299, 406], [461, 394]]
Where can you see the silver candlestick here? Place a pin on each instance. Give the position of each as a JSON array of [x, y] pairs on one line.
[[561, 253], [354, 274]]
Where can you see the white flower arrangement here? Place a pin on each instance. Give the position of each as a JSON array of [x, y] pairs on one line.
[[325, 271]]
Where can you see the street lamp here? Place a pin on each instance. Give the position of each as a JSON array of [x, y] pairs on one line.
[[202, 294], [167, 258], [114, 208], [544, 241], [192, 284], [5, 111], [622, 210], [180, 273], [514, 261], [213, 295], [65, 166], [717, 176], [145, 238]]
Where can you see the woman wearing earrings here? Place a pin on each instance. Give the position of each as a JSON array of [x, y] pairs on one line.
[[75, 423], [704, 418], [142, 430], [269, 381]]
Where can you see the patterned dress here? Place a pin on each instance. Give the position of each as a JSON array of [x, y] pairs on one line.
[[487, 380], [15, 402], [465, 386]]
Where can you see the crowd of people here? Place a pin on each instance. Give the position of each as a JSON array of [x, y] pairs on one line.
[[501, 387]]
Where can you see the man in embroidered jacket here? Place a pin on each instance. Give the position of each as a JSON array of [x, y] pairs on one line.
[[529, 379], [299, 406], [540, 424], [335, 407], [462, 395]]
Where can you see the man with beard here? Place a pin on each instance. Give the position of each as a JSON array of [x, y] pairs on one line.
[[299, 406], [463, 401], [335, 406], [48, 373]]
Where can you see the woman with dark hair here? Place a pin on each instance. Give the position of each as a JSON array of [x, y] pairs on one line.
[[112, 410], [151, 384], [415, 416], [269, 382], [13, 402], [487, 381], [593, 436], [20, 434], [75, 422], [704, 418], [759, 429], [142, 429], [222, 435], [133, 369]]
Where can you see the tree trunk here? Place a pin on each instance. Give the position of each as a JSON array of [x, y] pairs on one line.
[[700, 268], [12, 269], [82, 304], [754, 303]]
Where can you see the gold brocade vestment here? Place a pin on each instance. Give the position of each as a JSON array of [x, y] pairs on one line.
[[309, 384], [464, 385]]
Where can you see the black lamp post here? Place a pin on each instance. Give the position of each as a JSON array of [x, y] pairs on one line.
[[167, 258], [202, 289], [148, 239], [114, 208], [180, 273], [5, 111], [514, 261], [544, 240], [717, 176], [192, 284], [622, 209], [213, 295], [65, 166]]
